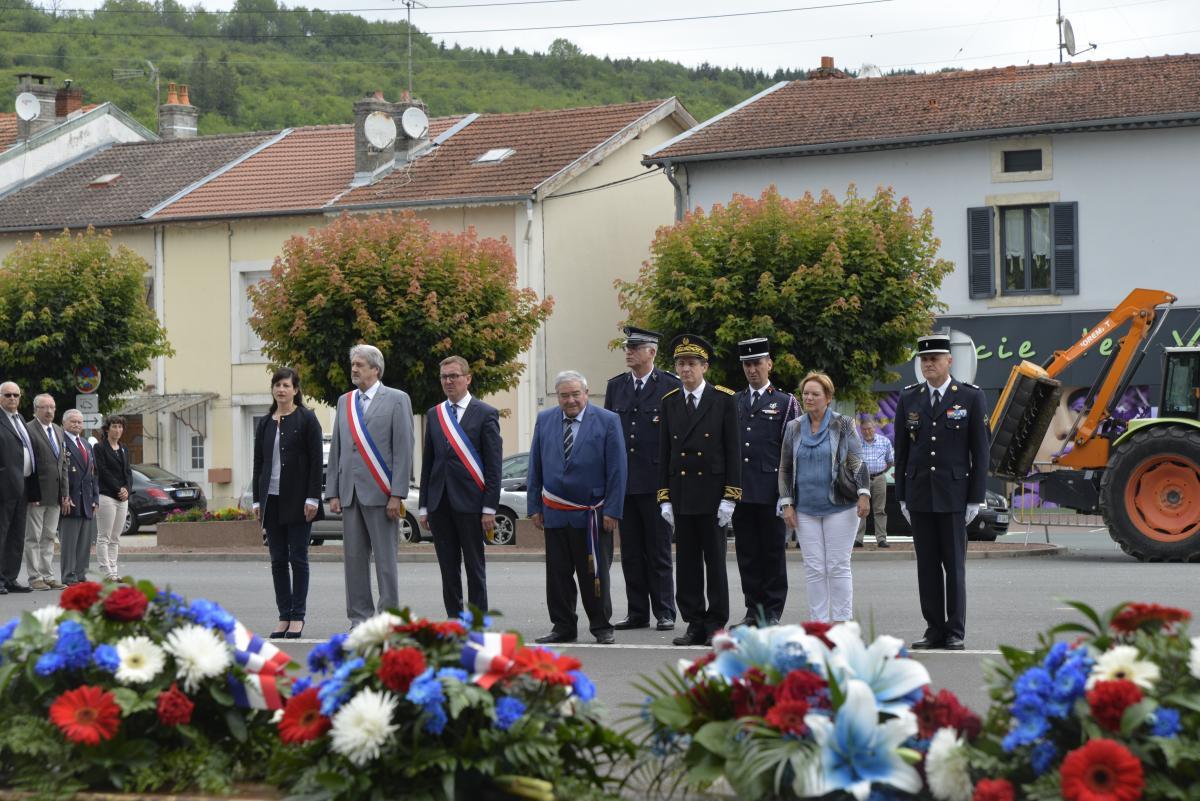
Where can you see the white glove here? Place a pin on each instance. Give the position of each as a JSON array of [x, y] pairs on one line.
[[779, 508], [904, 511], [668, 513], [972, 512], [725, 513]]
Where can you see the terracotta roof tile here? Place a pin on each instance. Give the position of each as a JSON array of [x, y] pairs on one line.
[[809, 114]]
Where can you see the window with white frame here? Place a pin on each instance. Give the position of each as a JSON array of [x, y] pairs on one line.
[[247, 345], [197, 452]]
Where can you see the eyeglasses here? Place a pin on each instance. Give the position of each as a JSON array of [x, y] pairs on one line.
[[451, 376], [12, 394]]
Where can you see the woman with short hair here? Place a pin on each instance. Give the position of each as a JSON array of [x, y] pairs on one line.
[[115, 477]]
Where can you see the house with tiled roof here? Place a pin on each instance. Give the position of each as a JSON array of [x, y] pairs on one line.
[[566, 188], [1055, 189]]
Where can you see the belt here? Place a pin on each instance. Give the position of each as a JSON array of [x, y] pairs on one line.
[[877, 475]]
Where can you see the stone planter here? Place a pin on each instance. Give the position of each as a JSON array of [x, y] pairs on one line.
[[210, 534]]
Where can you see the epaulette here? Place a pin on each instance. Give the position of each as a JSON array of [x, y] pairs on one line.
[[913, 386], [968, 384], [726, 390], [672, 392]]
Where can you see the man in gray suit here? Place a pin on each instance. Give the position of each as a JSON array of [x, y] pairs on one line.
[[367, 480], [41, 517]]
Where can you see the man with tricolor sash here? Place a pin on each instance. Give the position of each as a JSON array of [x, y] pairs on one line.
[[460, 484], [367, 480], [577, 471]]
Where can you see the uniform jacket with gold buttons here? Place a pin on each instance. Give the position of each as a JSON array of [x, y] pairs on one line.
[[760, 426], [641, 423], [699, 455], [941, 453]]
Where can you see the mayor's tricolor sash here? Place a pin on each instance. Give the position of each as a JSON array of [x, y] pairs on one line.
[[459, 443], [366, 446], [563, 505]]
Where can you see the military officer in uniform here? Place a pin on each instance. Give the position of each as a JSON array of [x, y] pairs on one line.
[[759, 535], [941, 475], [700, 483], [636, 397]]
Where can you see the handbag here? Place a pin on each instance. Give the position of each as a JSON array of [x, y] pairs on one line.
[[845, 483]]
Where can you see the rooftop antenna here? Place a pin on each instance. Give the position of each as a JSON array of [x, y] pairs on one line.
[[150, 73], [1066, 37], [410, 4]]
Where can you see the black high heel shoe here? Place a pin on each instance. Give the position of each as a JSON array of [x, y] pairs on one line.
[[279, 634], [295, 635]]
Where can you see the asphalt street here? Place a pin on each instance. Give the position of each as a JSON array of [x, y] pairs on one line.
[[1009, 602]]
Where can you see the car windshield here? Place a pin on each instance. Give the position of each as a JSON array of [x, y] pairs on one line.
[[515, 466], [153, 471]]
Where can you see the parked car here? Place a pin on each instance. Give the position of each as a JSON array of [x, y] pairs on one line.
[[991, 522], [157, 493], [514, 503]]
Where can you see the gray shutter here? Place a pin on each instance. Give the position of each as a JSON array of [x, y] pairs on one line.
[[1064, 232], [981, 273]]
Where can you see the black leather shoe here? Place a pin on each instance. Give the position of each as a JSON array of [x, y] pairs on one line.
[[927, 644], [13, 586], [606, 638], [884, 544], [689, 638], [665, 624], [554, 637], [630, 623], [953, 644], [3, 590], [858, 545], [748, 620]]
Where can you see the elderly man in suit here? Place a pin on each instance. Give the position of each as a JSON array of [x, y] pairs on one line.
[[577, 470], [41, 516], [78, 522], [370, 468], [460, 483], [17, 486]]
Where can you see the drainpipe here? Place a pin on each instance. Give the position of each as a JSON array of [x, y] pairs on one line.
[[529, 392], [680, 204]]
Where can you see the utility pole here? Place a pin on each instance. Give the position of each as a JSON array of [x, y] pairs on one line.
[[409, 4]]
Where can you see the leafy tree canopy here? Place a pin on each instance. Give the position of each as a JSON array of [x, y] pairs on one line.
[[73, 301], [843, 287], [416, 294]]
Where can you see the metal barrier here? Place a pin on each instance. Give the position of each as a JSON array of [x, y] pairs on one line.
[[1025, 508]]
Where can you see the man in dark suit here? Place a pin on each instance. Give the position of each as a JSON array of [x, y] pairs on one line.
[[41, 517], [941, 476], [17, 487], [576, 477], [78, 522], [759, 534], [636, 397], [460, 484], [700, 483]]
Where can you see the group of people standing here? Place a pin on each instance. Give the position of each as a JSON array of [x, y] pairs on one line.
[[54, 483]]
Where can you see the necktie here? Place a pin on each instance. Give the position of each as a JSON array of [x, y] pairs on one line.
[[935, 399], [568, 437], [22, 433], [82, 450], [459, 408], [363, 400], [637, 387], [691, 403], [754, 397], [53, 441]]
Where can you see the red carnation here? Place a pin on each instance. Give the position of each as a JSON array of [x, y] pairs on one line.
[[1101, 770], [788, 717], [545, 666], [818, 629], [86, 715], [751, 695], [302, 719], [1110, 699], [695, 668], [1149, 617], [398, 668], [443, 630], [800, 685], [993, 790], [945, 710], [125, 603], [81, 596], [174, 708]]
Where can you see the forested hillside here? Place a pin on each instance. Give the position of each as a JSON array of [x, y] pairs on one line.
[[264, 66]]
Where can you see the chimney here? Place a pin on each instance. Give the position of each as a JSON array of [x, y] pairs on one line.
[[408, 146], [371, 158], [177, 117], [826, 71], [67, 101], [41, 87]]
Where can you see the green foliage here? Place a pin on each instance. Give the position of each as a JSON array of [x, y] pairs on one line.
[[71, 301], [416, 294], [843, 287]]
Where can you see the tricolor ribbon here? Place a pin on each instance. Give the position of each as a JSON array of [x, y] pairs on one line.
[[593, 528], [488, 656], [366, 446], [264, 665], [459, 443]]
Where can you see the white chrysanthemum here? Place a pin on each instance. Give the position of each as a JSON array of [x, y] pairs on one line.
[[372, 633], [363, 726], [200, 653], [141, 660], [1194, 662], [1121, 662], [48, 617], [946, 767]]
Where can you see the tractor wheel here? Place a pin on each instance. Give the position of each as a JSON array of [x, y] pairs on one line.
[[1150, 494]]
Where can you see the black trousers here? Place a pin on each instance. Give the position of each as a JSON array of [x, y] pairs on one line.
[[646, 560], [12, 537], [458, 540], [566, 559], [940, 541], [760, 538], [699, 557], [288, 546]]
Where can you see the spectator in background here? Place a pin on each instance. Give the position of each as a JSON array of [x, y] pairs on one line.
[[41, 516], [16, 485], [116, 484], [879, 456], [78, 523]]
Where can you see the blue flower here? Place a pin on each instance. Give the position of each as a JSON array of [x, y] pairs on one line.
[[790, 656], [302, 684], [466, 617], [105, 657], [508, 711], [6, 631], [327, 654], [1028, 730], [1035, 681], [1166, 722], [1055, 656], [334, 691], [487, 621], [456, 674], [1043, 756], [173, 604], [582, 685], [73, 646], [426, 691], [435, 720], [211, 615], [49, 664]]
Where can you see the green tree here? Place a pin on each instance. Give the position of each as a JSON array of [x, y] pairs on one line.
[[416, 294], [843, 287], [72, 301]]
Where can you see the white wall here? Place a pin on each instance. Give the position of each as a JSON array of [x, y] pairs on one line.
[[93, 131]]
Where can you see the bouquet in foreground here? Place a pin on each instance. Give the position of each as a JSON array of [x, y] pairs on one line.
[[795, 712], [124, 686], [446, 710], [1110, 714]]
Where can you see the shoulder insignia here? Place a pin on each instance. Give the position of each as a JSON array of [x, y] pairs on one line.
[[912, 386], [969, 384], [663, 496], [726, 390], [671, 392]]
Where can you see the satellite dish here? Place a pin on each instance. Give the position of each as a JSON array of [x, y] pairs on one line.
[[1068, 34], [870, 71], [380, 130], [28, 106], [962, 351], [414, 123]]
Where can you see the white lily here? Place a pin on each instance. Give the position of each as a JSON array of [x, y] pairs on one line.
[[892, 678]]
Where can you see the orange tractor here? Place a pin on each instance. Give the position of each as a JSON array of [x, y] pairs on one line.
[[1144, 480]]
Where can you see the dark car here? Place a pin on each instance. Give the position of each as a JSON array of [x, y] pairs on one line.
[[991, 522], [157, 493]]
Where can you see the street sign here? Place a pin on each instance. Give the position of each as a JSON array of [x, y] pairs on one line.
[[88, 404], [92, 420], [87, 378]]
